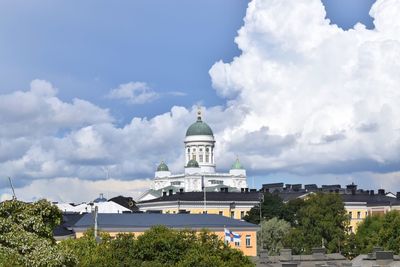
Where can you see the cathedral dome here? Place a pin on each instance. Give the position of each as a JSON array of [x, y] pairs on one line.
[[237, 165], [162, 167], [199, 128], [192, 164]]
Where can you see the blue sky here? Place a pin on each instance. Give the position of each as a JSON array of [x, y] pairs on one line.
[[87, 48], [299, 100]]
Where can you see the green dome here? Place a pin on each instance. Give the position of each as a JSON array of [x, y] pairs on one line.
[[192, 164], [237, 165], [162, 167], [199, 128]]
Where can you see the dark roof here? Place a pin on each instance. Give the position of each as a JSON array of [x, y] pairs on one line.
[[126, 202], [287, 196], [68, 220], [371, 200], [147, 220], [210, 196]]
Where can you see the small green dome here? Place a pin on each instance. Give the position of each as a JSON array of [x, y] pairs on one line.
[[237, 165], [199, 128], [162, 167], [192, 164]]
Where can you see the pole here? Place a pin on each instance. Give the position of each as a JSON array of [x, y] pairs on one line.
[[204, 190], [96, 209], [12, 188]]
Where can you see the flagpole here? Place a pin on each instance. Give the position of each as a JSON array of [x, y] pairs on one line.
[[204, 190]]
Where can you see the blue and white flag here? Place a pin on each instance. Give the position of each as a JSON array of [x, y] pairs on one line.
[[231, 236]]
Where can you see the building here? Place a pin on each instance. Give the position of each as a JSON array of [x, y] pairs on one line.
[[199, 167], [319, 257], [230, 204], [103, 205], [138, 223], [358, 203]]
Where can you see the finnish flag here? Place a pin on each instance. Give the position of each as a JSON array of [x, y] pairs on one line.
[[231, 236]]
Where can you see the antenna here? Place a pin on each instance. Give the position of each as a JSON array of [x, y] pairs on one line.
[[12, 188]]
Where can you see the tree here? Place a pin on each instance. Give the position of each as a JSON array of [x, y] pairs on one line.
[[159, 246], [272, 234], [26, 234], [272, 206], [379, 230], [322, 220]]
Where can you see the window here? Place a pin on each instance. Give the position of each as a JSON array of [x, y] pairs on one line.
[[358, 214], [241, 214], [248, 241], [237, 244], [205, 212], [201, 158], [366, 214], [207, 149], [188, 150], [221, 212], [194, 156], [207, 158], [200, 149], [216, 182], [176, 183], [232, 214], [350, 215]]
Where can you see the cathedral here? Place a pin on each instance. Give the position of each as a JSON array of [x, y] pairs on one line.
[[200, 168]]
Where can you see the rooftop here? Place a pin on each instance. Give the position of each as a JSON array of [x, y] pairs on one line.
[[148, 220], [210, 196]]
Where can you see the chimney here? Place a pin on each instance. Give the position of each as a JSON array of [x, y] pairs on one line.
[[221, 189], [170, 192], [181, 190], [164, 194], [381, 192], [398, 195], [242, 190], [246, 190], [371, 192]]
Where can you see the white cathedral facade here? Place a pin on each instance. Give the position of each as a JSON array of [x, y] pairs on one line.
[[200, 168]]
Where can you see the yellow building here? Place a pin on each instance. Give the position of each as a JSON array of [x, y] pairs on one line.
[[360, 205], [138, 223], [229, 204]]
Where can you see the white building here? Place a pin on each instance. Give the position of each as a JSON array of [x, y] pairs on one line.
[[200, 167]]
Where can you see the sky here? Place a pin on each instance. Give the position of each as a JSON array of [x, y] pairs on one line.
[[94, 95]]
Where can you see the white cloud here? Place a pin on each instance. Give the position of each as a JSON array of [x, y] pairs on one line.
[[304, 97], [77, 190], [134, 93], [334, 92]]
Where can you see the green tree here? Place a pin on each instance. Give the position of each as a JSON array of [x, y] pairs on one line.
[[272, 206], [26, 234], [272, 234], [159, 246], [379, 230], [322, 220]]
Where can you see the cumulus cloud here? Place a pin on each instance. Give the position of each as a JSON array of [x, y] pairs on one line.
[[71, 189], [134, 93], [327, 96], [304, 98]]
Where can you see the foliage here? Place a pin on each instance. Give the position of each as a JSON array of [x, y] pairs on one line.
[[26, 237], [159, 246], [322, 220], [272, 234], [272, 207], [379, 230]]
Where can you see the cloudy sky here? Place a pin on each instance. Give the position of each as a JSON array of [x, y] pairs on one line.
[[94, 95]]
